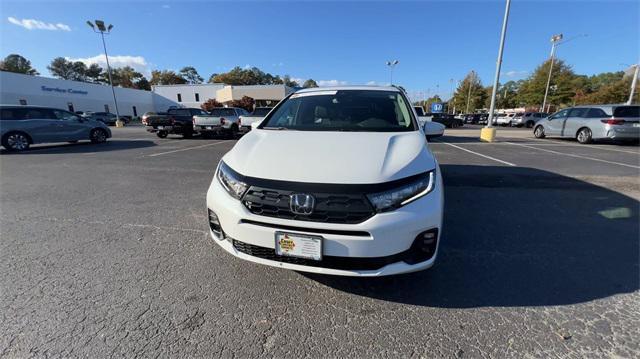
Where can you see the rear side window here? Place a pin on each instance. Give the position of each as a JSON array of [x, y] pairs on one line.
[[627, 111], [596, 113], [578, 112], [39, 114], [12, 114], [180, 112]]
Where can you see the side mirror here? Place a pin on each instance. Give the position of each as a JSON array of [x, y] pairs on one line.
[[433, 129]]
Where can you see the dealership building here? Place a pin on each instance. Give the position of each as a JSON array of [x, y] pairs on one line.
[[20, 89]]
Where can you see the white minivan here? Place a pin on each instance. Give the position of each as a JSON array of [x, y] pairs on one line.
[[334, 180]]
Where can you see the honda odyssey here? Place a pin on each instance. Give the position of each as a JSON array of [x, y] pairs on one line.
[[335, 181]]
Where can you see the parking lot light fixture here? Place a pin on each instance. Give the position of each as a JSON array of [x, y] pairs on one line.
[[391, 65], [102, 30], [488, 134]]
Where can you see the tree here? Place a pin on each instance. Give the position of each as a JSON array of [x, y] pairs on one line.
[[616, 92], [469, 92], [142, 84], [125, 76], [95, 73], [309, 83], [286, 80], [18, 64], [210, 104], [190, 74], [68, 70], [245, 102], [252, 76], [562, 88], [166, 77]]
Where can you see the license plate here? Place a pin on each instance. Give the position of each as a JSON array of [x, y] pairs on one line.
[[160, 127], [636, 125], [299, 245]]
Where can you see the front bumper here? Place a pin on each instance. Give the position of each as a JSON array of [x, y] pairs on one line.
[[381, 239]]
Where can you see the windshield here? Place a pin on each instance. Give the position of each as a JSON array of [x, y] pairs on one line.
[[343, 110], [260, 112]]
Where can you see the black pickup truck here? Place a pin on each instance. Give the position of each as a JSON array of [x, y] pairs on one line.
[[176, 120]]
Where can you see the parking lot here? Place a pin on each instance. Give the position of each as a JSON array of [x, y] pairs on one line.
[[106, 252]]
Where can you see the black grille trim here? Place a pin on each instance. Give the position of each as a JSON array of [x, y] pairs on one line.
[[308, 230], [329, 207], [330, 262]]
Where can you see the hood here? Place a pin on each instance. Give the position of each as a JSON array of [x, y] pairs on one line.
[[330, 157]]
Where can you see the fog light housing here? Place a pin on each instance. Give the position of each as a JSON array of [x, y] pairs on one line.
[[423, 247], [214, 224]]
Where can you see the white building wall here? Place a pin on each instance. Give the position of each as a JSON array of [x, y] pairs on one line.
[[44, 91], [187, 93]]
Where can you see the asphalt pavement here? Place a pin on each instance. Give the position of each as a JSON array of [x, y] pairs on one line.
[[106, 253]]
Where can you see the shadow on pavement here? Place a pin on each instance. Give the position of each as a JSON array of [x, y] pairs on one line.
[[83, 147], [519, 237]]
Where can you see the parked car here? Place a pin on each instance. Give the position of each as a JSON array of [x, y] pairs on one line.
[[338, 181], [145, 117], [221, 121], [107, 118], [431, 129], [258, 114], [447, 120], [527, 119], [505, 119], [592, 122], [476, 118], [22, 126], [175, 121]]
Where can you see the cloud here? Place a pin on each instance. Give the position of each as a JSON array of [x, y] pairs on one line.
[[376, 83], [326, 83], [299, 80], [166, 6], [33, 24], [514, 73], [137, 62], [279, 64]]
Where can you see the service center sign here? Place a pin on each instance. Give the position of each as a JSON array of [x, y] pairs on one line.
[[436, 107], [61, 90]]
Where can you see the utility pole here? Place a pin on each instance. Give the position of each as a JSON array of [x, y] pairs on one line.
[[102, 30], [488, 133]]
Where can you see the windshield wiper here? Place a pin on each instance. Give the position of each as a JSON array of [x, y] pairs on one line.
[[275, 128]]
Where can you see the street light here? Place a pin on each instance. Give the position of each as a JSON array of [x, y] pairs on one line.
[[102, 30], [489, 133], [391, 65], [556, 40]]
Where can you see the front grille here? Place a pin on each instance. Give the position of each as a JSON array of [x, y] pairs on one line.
[[329, 208], [331, 262]]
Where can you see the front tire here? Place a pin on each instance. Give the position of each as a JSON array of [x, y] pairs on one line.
[[162, 134], [98, 135], [538, 132], [16, 141], [584, 136]]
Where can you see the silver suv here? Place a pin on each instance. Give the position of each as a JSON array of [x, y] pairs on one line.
[[21, 126], [592, 122]]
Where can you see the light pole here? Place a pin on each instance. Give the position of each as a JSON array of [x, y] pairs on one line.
[[489, 133], [633, 83], [451, 95], [391, 65], [102, 30], [555, 39]]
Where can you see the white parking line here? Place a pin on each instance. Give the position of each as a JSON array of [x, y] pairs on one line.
[[477, 154], [552, 142], [572, 155], [185, 149]]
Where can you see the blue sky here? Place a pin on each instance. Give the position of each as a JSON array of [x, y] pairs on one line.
[[331, 42]]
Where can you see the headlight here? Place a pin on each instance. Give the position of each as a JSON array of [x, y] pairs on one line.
[[230, 181], [397, 197]]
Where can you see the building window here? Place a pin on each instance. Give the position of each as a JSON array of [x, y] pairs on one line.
[[135, 111], [179, 98], [197, 97], [23, 102]]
